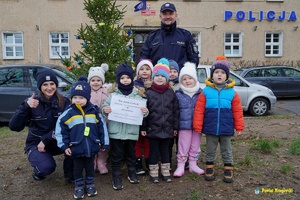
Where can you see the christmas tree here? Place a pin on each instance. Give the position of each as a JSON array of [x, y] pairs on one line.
[[103, 41]]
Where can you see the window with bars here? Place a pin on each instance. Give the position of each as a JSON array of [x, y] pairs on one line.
[[233, 44], [12, 45], [273, 44], [59, 45]]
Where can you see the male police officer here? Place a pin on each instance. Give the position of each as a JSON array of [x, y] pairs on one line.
[[170, 41]]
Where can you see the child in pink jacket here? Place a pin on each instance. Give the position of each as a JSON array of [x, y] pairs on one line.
[[98, 95]]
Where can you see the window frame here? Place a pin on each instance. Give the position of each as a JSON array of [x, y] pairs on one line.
[[231, 44], [197, 37], [12, 45], [59, 45], [272, 44]]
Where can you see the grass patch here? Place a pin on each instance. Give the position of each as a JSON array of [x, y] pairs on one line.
[[195, 195], [265, 146], [248, 161], [286, 168], [295, 147], [193, 176]]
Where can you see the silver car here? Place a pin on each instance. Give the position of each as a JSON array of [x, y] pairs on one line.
[[256, 99]]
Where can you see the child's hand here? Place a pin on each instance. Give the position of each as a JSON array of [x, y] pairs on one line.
[[143, 133], [107, 109], [238, 133], [144, 110], [175, 133], [68, 152]]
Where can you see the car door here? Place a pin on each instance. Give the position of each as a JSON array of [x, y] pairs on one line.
[[293, 79], [275, 81], [13, 90]]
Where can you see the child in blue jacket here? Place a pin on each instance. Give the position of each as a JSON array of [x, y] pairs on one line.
[[79, 133]]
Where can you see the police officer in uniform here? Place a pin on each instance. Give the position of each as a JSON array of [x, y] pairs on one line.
[[170, 41]]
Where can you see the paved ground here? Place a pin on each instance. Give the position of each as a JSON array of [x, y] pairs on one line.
[[287, 106]]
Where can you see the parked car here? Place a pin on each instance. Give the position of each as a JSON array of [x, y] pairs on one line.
[[256, 99], [18, 82], [284, 81]]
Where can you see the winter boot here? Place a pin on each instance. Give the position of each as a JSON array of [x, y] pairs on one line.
[[180, 170], [193, 168], [228, 174], [117, 180], [209, 173], [165, 172], [154, 173], [139, 167], [132, 176], [79, 189], [101, 162], [90, 187]]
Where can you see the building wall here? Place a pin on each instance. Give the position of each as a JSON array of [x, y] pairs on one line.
[[65, 15]]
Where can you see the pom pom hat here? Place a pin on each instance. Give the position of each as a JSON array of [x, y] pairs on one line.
[[144, 62], [98, 72], [188, 69], [221, 63], [161, 68], [44, 75], [81, 88]]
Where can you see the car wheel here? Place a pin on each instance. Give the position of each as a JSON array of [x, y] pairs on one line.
[[259, 107]]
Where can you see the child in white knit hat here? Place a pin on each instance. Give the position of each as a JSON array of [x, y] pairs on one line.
[[99, 94], [144, 80], [188, 140]]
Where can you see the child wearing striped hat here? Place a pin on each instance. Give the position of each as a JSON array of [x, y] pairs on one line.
[[162, 122]]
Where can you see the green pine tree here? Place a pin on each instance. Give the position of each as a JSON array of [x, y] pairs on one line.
[[103, 41]]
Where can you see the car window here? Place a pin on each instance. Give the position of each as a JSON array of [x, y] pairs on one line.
[[291, 72], [201, 73], [238, 81], [32, 73], [252, 73], [11, 77]]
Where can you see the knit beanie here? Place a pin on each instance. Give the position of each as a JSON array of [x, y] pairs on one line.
[[162, 68], [81, 88], [125, 69], [144, 62], [221, 63], [188, 69], [173, 65], [98, 72], [44, 75]]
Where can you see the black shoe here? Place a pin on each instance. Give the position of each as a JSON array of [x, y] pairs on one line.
[[209, 173], [37, 177], [117, 182], [132, 177], [139, 167]]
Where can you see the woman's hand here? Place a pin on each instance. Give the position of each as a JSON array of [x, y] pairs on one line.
[[41, 147], [32, 102]]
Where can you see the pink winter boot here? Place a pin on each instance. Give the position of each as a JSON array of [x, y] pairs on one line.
[[179, 172], [101, 162], [193, 168]]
